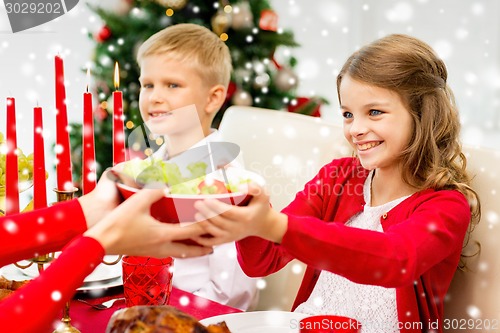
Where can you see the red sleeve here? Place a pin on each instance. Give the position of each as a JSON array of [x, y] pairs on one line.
[[35, 307], [432, 232], [259, 257], [26, 235]]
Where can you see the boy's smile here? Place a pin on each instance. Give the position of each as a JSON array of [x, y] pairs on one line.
[[156, 114]]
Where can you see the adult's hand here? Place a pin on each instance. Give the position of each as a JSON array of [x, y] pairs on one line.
[[100, 201], [130, 229]]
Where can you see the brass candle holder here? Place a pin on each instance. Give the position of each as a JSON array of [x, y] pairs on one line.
[[65, 326]]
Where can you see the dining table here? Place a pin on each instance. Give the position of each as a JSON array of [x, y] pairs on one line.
[[90, 320]]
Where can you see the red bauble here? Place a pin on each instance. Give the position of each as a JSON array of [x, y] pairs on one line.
[[231, 89], [268, 20], [307, 106], [103, 35]]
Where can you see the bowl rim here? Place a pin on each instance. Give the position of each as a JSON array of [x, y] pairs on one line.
[[189, 196]]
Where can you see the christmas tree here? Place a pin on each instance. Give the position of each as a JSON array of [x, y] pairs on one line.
[[248, 27]]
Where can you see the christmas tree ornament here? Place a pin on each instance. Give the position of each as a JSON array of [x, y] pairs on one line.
[[262, 80], [259, 67], [285, 79], [103, 35], [139, 14], [174, 4], [221, 22], [268, 20], [105, 61], [242, 17], [117, 7], [307, 106], [242, 98], [242, 75]]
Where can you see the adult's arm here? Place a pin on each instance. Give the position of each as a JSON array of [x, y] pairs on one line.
[[46, 295], [26, 235]]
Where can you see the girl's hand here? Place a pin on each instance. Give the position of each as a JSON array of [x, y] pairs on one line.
[[227, 223], [130, 229]]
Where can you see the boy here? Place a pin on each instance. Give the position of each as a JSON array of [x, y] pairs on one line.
[[185, 71]]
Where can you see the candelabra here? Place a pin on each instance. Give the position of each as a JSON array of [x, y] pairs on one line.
[[65, 326], [42, 260]]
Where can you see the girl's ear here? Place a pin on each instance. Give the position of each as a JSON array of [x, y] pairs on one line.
[[216, 97]]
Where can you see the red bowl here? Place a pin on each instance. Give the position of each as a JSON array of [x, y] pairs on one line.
[[179, 208]]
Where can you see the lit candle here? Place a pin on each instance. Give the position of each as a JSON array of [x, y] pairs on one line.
[[118, 131], [11, 172], [63, 152], [39, 186], [89, 165]]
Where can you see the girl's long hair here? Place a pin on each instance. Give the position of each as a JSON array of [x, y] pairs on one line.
[[409, 67]]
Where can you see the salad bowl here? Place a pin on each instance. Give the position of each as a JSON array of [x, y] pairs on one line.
[[227, 185]]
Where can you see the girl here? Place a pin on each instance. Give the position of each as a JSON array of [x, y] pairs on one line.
[[382, 232]]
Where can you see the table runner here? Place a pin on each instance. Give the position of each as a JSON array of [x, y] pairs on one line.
[[90, 320]]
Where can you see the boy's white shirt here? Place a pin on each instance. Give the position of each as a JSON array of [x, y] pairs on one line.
[[217, 276]]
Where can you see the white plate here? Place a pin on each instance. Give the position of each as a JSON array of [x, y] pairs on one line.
[[260, 321], [101, 286], [101, 278], [103, 273]]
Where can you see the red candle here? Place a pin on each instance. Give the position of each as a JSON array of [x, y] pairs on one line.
[[64, 177], [39, 186], [89, 166], [118, 131], [11, 172]]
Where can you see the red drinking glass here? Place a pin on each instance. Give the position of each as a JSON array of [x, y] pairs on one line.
[[146, 280]]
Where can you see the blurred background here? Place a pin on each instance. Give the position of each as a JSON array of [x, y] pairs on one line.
[[96, 33]]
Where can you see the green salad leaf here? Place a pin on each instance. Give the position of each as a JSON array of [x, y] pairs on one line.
[[192, 181]]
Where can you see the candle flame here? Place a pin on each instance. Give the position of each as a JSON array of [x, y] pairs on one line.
[[88, 78], [117, 76]]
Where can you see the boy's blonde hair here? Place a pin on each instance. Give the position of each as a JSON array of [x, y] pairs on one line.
[[194, 44]]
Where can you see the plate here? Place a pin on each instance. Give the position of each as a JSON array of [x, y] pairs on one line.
[[102, 277], [103, 273], [260, 321], [99, 286]]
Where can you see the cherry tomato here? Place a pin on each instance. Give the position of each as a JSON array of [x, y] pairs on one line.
[[212, 187]]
